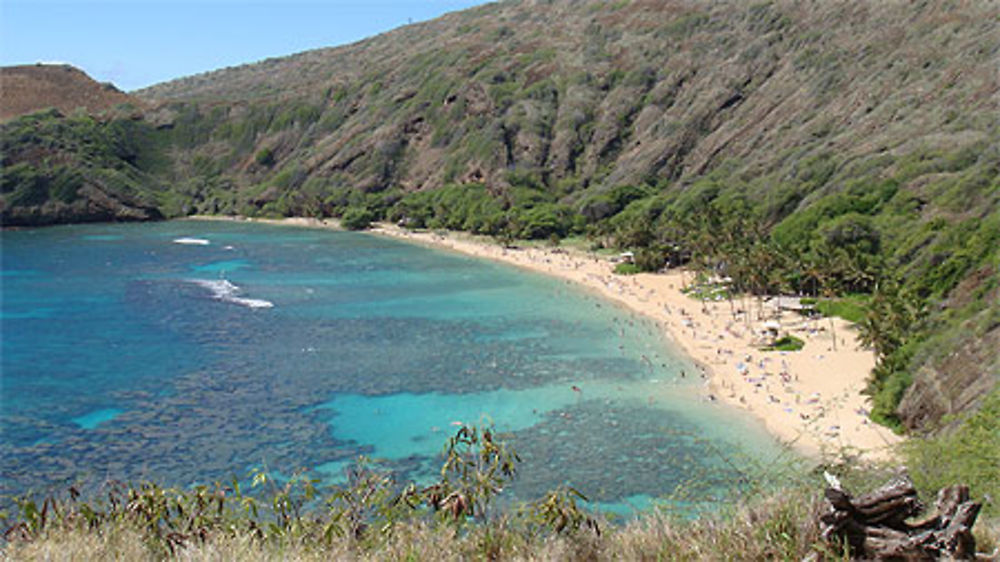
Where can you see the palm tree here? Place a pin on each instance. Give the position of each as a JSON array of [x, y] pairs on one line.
[[827, 286], [874, 330], [811, 275]]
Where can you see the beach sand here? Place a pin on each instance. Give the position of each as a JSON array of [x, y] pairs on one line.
[[810, 399]]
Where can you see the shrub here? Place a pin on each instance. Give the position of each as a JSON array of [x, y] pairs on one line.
[[265, 157], [786, 343], [650, 259], [545, 220], [626, 268], [356, 219]]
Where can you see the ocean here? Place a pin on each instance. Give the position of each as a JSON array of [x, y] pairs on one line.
[[197, 351]]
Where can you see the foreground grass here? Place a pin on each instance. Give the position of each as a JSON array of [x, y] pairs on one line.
[[780, 528], [371, 517]]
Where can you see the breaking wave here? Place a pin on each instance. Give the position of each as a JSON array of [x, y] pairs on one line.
[[225, 291], [192, 241]]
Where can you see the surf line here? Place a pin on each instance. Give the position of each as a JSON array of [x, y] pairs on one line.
[[187, 241], [226, 291]]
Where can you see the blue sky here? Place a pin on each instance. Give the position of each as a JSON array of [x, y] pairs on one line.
[[136, 43]]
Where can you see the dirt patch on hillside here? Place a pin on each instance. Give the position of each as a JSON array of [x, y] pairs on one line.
[[30, 88]]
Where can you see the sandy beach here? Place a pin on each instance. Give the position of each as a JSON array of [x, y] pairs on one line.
[[810, 399]]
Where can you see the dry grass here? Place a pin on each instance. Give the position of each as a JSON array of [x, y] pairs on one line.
[[30, 88], [780, 528]]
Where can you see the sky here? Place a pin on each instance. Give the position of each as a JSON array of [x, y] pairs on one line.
[[137, 43]]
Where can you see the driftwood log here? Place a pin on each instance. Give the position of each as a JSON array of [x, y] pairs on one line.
[[874, 526]]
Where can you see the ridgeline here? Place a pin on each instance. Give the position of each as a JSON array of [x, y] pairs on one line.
[[849, 151]]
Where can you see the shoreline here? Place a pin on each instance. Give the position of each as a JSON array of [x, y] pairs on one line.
[[810, 399]]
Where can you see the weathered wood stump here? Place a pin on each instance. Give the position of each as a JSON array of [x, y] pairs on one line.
[[875, 527]]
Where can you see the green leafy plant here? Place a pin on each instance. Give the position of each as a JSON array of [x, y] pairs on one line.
[[369, 504], [265, 157], [627, 268], [786, 343], [476, 467], [558, 511]]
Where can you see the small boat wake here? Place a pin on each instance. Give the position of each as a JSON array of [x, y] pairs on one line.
[[225, 291]]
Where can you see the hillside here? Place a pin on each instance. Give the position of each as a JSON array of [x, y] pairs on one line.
[[69, 149], [31, 88], [595, 94], [850, 150]]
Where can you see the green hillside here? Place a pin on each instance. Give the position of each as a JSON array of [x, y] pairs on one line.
[[849, 151]]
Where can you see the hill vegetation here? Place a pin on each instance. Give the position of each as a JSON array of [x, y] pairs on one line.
[[847, 151], [60, 169], [62, 163]]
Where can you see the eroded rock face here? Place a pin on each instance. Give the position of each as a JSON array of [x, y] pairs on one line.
[[954, 384], [960, 369]]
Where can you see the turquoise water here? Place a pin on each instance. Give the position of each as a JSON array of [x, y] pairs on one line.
[[194, 351], [90, 420]]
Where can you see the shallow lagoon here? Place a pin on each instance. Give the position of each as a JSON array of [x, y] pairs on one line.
[[129, 355]]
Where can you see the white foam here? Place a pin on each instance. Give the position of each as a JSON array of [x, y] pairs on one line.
[[225, 291], [192, 241]]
